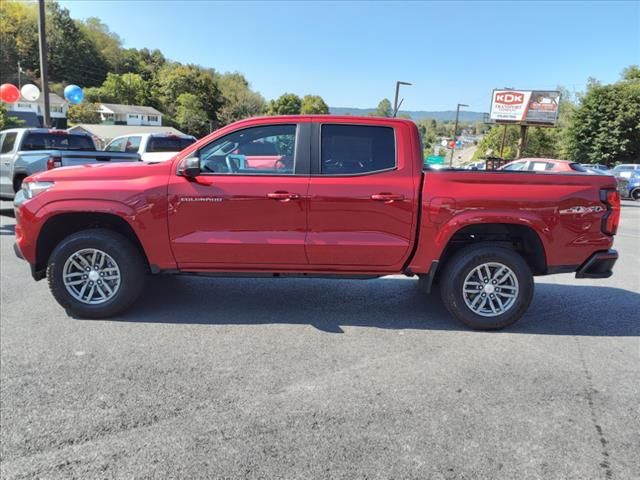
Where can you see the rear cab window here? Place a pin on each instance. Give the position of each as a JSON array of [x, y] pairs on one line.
[[168, 144], [356, 149], [57, 141]]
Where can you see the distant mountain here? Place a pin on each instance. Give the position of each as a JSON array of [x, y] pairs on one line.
[[465, 116]]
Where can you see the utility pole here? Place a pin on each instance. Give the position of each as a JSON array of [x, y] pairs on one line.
[[522, 141], [19, 79], [44, 78], [455, 132], [396, 105]]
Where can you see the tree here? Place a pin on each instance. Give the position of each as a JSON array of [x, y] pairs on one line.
[[84, 112], [174, 79], [73, 57], [606, 125], [191, 116], [314, 104], [7, 121], [18, 39], [239, 101], [108, 43], [286, 104], [128, 88], [384, 109], [631, 73]]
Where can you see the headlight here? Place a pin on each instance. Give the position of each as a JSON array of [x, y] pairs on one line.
[[33, 189]]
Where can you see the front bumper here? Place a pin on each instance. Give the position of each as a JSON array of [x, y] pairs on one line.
[[598, 265]]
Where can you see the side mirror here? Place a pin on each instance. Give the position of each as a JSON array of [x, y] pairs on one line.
[[190, 167]]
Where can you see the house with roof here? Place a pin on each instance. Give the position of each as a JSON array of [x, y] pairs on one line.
[[117, 114], [31, 113]]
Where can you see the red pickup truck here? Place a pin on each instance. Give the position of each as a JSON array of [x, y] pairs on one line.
[[346, 197]]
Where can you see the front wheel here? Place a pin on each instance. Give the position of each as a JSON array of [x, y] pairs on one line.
[[635, 194], [487, 287], [96, 273]]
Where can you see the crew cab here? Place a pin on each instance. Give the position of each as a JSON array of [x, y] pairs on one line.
[[347, 198], [152, 147], [25, 151]]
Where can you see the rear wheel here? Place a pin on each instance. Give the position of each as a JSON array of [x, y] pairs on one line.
[[96, 273], [487, 287], [635, 194]]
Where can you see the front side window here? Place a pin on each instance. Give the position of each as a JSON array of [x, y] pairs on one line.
[[266, 150], [132, 145], [356, 149], [9, 142], [116, 146]]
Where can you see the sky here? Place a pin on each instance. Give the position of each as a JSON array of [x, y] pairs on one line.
[[352, 53]]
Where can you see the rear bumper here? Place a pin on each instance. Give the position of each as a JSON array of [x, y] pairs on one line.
[[598, 265]]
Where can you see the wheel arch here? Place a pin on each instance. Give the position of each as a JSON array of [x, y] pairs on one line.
[[518, 237], [60, 226]]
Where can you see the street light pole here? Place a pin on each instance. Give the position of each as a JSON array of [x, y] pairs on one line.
[[44, 78], [396, 106], [455, 132]]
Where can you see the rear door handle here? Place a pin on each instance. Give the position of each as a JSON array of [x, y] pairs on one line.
[[387, 197], [283, 196]]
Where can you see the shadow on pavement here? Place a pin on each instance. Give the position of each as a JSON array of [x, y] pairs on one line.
[[388, 303], [7, 212], [7, 229]]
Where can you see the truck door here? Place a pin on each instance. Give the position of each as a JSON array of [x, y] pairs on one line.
[[7, 147], [237, 214], [363, 197]]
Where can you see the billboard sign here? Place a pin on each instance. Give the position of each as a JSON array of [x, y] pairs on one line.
[[525, 107]]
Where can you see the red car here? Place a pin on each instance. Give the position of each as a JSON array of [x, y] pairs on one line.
[[544, 165], [349, 199]]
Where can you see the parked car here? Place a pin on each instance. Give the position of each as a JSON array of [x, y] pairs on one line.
[[480, 165], [595, 166], [625, 170], [152, 147], [25, 151], [544, 165], [349, 198], [629, 186]]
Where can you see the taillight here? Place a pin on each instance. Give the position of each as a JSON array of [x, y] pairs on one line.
[[54, 162], [611, 219]]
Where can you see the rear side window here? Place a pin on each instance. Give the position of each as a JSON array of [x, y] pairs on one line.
[[9, 142], [168, 144], [515, 166], [577, 167], [356, 149], [57, 141]]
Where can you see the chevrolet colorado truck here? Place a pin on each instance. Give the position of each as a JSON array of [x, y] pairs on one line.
[[348, 198], [25, 151]]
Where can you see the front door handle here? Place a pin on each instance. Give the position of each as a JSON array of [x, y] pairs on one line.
[[387, 197], [284, 196]]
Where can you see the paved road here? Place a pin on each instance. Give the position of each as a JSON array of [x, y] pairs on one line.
[[237, 378]]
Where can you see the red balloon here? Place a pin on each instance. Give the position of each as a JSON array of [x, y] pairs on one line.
[[452, 144], [9, 93]]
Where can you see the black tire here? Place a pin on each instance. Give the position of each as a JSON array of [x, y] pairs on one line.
[[130, 263], [463, 263], [17, 182], [635, 194]]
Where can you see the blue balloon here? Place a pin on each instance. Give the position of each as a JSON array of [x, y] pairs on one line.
[[73, 94]]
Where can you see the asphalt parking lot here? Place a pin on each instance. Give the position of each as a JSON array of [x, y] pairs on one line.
[[256, 378]]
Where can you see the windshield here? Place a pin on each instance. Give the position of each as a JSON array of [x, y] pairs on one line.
[[168, 144], [57, 141]]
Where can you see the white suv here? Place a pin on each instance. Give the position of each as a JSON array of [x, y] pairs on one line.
[[152, 147]]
